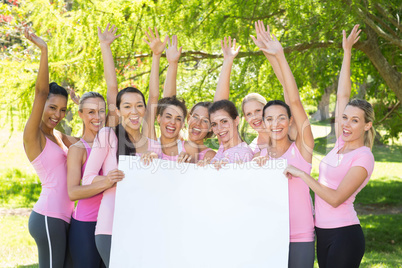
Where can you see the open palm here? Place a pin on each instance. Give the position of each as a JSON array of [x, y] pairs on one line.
[[154, 42], [229, 50], [108, 36], [172, 54]]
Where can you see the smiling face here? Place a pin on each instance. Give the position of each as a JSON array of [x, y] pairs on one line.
[[171, 121], [277, 122], [353, 125], [54, 111], [131, 110], [253, 115], [93, 114], [198, 124], [224, 126]]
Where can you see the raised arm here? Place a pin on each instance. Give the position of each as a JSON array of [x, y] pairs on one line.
[[229, 54], [304, 139], [172, 56], [157, 47], [344, 84], [106, 38], [260, 32], [32, 136]]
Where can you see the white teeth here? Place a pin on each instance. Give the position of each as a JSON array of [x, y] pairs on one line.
[[170, 128], [346, 131], [134, 118], [276, 130], [96, 124], [196, 129], [54, 120]]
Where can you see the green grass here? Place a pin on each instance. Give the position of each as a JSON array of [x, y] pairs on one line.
[[18, 189], [17, 247]]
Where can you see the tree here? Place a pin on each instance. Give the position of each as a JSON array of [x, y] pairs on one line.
[[309, 30]]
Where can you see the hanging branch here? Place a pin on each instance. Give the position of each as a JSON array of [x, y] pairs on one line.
[[390, 112]]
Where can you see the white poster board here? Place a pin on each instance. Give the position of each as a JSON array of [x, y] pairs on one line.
[[171, 215]]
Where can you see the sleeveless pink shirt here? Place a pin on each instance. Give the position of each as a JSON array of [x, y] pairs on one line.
[[300, 205], [202, 154], [103, 157], [87, 209], [51, 167], [240, 152]]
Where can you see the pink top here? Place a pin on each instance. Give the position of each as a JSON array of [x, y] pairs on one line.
[[180, 148], [240, 152], [51, 167], [202, 154], [333, 168], [301, 220], [87, 209], [103, 157], [254, 146]]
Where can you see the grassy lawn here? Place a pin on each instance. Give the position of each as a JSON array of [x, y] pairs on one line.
[[20, 188]]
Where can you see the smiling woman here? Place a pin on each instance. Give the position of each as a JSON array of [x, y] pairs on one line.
[[46, 148]]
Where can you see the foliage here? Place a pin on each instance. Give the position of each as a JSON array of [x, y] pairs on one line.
[[310, 30]]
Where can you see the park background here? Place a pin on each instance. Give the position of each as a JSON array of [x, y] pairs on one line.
[[309, 30]]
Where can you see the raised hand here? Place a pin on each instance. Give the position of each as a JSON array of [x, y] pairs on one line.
[[36, 40], [172, 54], [74, 97], [229, 50], [154, 41], [347, 43], [260, 33], [108, 36], [272, 45]]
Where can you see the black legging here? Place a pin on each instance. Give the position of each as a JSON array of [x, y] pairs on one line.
[[340, 247], [82, 246]]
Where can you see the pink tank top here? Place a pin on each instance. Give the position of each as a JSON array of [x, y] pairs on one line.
[[180, 148], [202, 154], [51, 167], [87, 209], [254, 146], [300, 205], [333, 168], [103, 156]]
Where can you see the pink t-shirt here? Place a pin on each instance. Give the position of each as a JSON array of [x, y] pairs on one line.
[[103, 157], [333, 168], [180, 148], [51, 167], [87, 209], [300, 205], [240, 152]]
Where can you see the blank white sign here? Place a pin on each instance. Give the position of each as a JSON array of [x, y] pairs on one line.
[[184, 216]]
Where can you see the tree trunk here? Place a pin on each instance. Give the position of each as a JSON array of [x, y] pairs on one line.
[[391, 76]]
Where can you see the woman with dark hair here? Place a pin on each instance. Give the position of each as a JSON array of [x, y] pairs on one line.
[[92, 110], [278, 117], [125, 139], [224, 123], [46, 148], [344, 172]]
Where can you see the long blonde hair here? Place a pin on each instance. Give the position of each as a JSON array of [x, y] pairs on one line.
[[369, 116]]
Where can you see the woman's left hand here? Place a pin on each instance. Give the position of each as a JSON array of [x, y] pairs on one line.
[[148, 157]]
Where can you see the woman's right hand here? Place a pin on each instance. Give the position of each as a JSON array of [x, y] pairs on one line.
[[113, 177], [154, 42], [261, 160], [347, 43], [108, 36], [35, 39], [229, 49]]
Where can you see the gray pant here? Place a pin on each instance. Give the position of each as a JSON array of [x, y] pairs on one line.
[[301, 255], [50, 235], [104, 244]]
